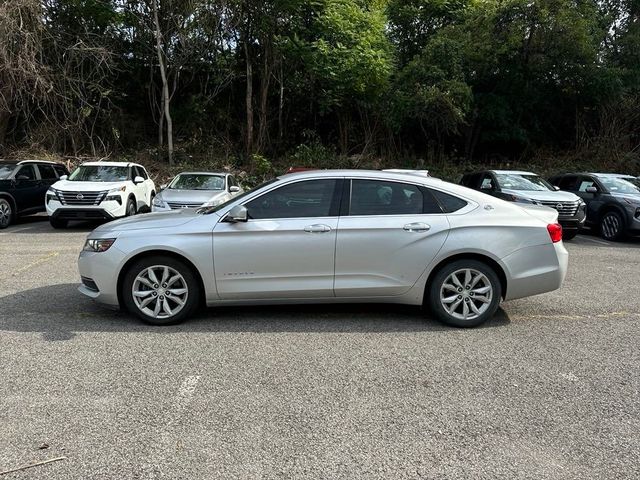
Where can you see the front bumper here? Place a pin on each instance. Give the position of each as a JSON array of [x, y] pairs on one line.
[[107, 210], [99, 274], [575, 222]]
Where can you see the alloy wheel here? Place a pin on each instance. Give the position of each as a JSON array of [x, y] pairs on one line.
[[611, 225], [160, 291], [5, 214], [466, 294]]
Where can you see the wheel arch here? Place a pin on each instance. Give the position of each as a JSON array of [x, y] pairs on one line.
[[467, 256], [12, 201], [153, 253], [612, 207]]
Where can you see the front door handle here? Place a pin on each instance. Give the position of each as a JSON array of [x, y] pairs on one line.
[[416, 227], [317, 228]]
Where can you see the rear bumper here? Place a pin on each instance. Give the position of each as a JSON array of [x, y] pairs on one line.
[[534, 270]]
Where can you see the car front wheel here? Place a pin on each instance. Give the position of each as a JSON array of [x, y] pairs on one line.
[[161, 290], [131, 207], [6, 213], [465, 293], [612, 226]]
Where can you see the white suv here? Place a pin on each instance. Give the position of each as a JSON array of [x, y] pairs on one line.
[[100, 191]]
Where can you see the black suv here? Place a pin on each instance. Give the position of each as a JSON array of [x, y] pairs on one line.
[[23, 186], [613, 204]]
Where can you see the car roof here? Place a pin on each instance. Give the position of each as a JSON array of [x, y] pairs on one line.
[[431, 182], [204, 173], [112, 164], [513, 172], [23, 162]]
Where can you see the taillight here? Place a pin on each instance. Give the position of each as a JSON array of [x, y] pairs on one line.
[[555, 232]]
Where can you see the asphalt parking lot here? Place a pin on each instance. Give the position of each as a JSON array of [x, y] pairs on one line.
[[548, 389]]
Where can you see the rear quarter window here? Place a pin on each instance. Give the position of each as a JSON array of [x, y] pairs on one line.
[[449, 203]]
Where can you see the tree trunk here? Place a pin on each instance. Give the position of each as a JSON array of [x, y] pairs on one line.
[[264, 99], [4, 126], [249, 102], [281, 104], [165, 83]]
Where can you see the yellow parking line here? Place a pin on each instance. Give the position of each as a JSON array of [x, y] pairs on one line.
[[36, 263]]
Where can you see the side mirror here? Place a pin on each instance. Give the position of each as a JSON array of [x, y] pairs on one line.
[[556, 188], [234, 189], [163, 186], [486, 187], [64, 177], [237, 214], [591, 189], [138, 180]]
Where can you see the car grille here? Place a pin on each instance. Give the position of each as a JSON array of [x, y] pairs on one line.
[[81, 198], [178, 205], [565, 209]]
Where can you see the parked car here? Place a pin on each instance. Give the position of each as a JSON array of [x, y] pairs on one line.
[[100, 191], [23, 185], [613, 204], [628, 178], [330, 236], [527, 187], [196, 189]]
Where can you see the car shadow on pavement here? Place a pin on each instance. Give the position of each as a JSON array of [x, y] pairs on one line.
[[40, 224], [59, 311]]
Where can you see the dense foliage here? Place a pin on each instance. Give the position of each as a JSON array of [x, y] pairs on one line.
[[253, 79]]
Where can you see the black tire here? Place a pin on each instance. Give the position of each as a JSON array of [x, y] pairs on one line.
[[6, 213], [569, 234], [190, 280], [437, 285], [57, 223], [612, 226], [131, 207]]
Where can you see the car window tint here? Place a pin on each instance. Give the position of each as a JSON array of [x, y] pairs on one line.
[[47, 172], [449, 203], [60, 170], [487, 183], [27, 171], [379, 197], [310, 198], [567, 183], [585, 183], [141, 172]]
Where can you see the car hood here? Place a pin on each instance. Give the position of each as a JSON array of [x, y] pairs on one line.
[[69, 186], [190, 196], [629, 196], [544, 195], [174, 218]]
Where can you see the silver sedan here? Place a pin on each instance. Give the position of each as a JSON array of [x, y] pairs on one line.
[[330, 236]]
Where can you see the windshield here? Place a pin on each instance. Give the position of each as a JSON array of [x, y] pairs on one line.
[[6, 169], [99, 173], [618, 185], [215, 208], [523, 182], [194, 181]]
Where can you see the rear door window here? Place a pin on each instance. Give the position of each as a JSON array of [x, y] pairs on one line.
[[47, 172], [449, 203], [380, 197], [568, 183]]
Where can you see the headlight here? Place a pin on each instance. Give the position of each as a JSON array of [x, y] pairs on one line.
[[52, 194], [119, 189], [519, 199], [98, 244], [211, 203], [157, 202]]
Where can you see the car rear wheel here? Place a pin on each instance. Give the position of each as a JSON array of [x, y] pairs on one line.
[[612, 226], [465, 293], [6, 213], [57, 223], [161, 290]]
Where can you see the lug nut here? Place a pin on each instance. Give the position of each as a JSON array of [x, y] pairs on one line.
[[155, 285], [155, 294], [161, 297], [164, 285], [459, 289], [459, 297]]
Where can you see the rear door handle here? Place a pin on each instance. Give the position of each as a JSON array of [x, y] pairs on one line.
[[317, 228], [416, 227]]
